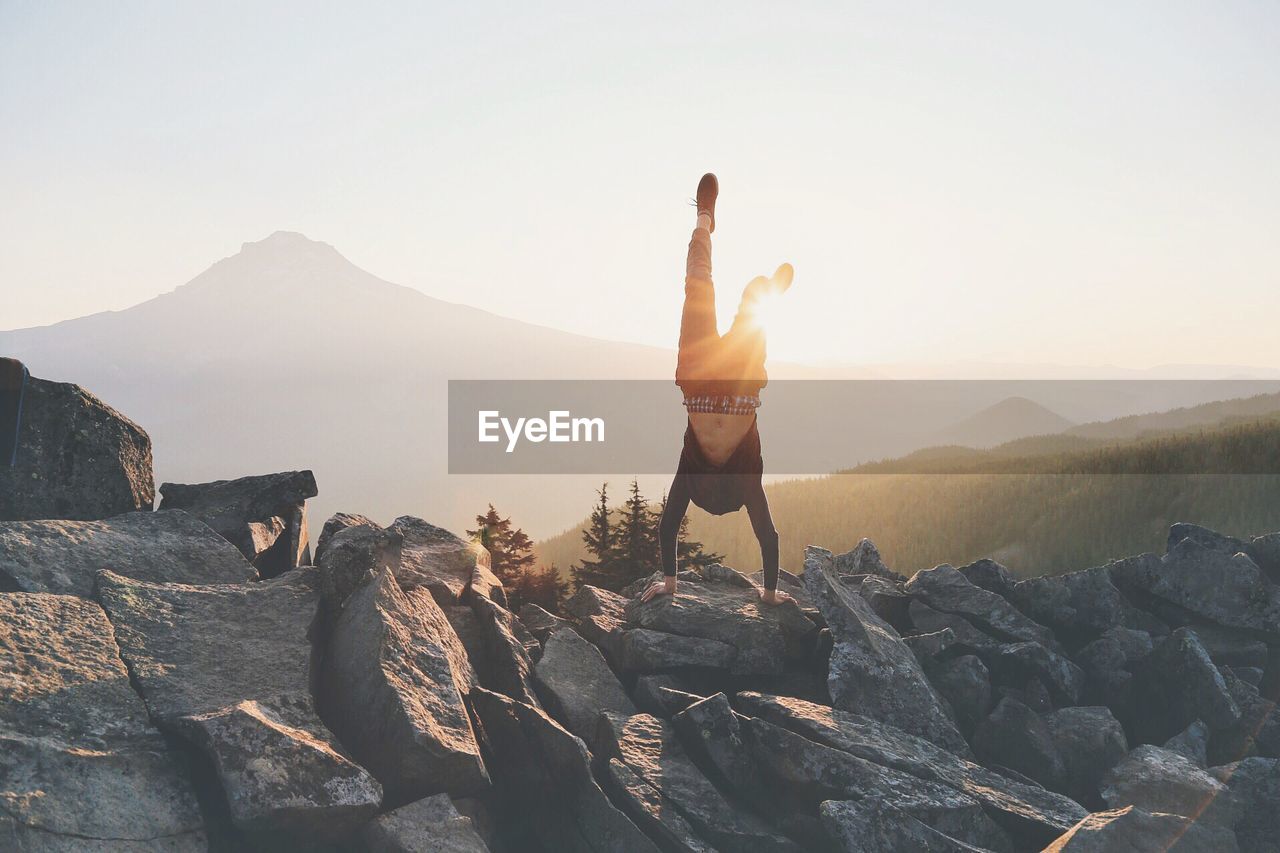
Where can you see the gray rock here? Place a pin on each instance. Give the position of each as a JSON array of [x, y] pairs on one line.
[[445, 564], [544, 773], [1091, 742], [78, 458], [1157, 780], [350, 556], [600, 616], [1203, 537], [394, 678], [712, 733], [989, 575], [540, 623], [1029, 811], [1018, 662], [1229, 647], [663, 695], [1079, 605], [339, 521], [197, 651], [864, 559], [944, 588], [648, 748], [1191, 743], [1014, 736], [928, 647], [647, 807], [1108, 664], [283, 785], [73, 732], [966, 685], [1192, 581], [875, 823], [504, 664], [65, 556], [576, 684], [653, 651], [430, 825], [765, 637], [887, 599], [1178, 684], [264, 516], [1265, 551], [872, 672], [1135, 831], [1257, 732], [926, 620], [1255, 787]]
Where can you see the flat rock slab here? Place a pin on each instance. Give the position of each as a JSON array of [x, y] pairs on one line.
[[164, 547], [544, 771], [1079, 605], [78, 458], [648, 748], [766, 637], [195, 652], [643, 650], [1024, 809], [73, 732], [392, 687], [874, 823], [944, 588], [576, 684], [264, 516], [872, 672], [1135, 831], [447, 565], [1157, 780], [430, 825]]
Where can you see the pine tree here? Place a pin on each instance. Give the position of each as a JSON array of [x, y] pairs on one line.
[[638, 553], [541, 586], [597, 570], [511, 554]]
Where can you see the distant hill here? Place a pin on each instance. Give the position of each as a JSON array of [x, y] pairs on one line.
[[1013, 417], [1041, 505], [1206, 414]]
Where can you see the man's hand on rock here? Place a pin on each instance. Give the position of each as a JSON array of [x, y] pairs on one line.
[[666, 586], [773, 596]]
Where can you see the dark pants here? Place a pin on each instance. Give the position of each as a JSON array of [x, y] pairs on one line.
[[734, 361], [13, 381]]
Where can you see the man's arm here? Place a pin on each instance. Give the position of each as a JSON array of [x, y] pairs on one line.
[[668, 537], [762, 523]]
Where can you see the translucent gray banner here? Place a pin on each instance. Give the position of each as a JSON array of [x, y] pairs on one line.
[[814, 427]]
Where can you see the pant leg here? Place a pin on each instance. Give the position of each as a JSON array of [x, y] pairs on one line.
[[699, 338], [742, 348]]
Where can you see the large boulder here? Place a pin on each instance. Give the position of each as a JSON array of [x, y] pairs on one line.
[[1157, 780], [576, 684], [65, 556], [990, 575], [447, 565], [1108, 663], [429, 825], [264, 516], [897, 823], [541, 623], [73, 734], [394, 678], [1135, 831], [648, 748], [864, 559], [1016, 737], [1194, 582], [642, 650], [498, 652], [1178, 684], [1079, 606], [1255, 787], [1257, 732], [944, 588], [1016, 663], [712, 733], [1264, 550], [925, 620], [77, 458], [1091, 742], [197, 653], [543, 774], [1026, 810], [726, 607], [336, 522], [600, 616], [872, 672], [350, 555]]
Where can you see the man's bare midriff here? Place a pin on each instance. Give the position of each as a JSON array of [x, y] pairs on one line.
[[719, 435]]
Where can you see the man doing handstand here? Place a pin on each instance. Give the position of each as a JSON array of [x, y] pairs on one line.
[[721, 376]]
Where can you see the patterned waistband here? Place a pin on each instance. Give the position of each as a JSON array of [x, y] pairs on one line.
[[711, 404]]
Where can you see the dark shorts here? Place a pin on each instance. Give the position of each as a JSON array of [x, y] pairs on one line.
[[723, 489]]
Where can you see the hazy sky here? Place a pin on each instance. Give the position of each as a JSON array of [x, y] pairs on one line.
[[1081, 182]]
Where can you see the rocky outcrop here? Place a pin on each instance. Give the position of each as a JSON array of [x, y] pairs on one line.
[[429, 825], [77, 459], [73, 732], [944, 589], [600, 616], [351, 554], [576, 684], [335, 523], [228, 667], [1157, 780], [449, 566], [394, 678], [65, 556], [872, 672], [1178, 684], [264, 516], [1132, 829]]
